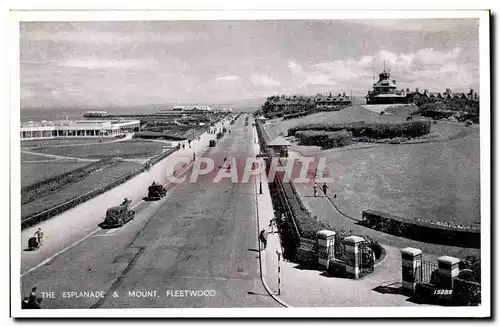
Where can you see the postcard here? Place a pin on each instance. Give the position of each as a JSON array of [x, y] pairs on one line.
[[250, 164]]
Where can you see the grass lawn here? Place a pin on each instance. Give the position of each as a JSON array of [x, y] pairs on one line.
[[125, 149], [436, 181], [439, 130], [52, 142], [91, 182], [35, 172], [34, 157]]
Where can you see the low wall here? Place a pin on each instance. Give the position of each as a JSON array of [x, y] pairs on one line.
[[421, 230]]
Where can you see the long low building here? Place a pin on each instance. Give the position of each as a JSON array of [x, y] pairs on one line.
[[84, 128]]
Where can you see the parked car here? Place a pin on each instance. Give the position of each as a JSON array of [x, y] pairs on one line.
[[119, 215]]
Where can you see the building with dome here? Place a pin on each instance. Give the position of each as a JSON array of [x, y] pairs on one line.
[[385, 91]]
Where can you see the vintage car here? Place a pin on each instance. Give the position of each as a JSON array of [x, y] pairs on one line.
[[156, 192], [119, 215], [212, 143]]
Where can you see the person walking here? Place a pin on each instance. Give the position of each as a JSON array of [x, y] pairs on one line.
[[325, 189], [39, 236], [272, 225], [263, 238], [315, 188]]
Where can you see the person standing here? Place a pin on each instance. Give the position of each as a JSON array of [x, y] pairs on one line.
[[33, 299], [263, 238], [315, 188], [325, 189], [272, 225], [39, 236]]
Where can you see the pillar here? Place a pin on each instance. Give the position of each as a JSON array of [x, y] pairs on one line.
[[448, 271], [326, 248], [352, 255], [411, 267]]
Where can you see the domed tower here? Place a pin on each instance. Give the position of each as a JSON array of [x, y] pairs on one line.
[[384, 75]]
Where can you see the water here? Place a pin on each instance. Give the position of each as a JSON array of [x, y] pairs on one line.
[[39, 114]]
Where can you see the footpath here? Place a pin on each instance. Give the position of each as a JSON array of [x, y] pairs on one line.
[[301, 287]]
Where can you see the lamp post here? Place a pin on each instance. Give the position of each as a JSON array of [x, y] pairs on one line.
[[278, 252], [260, 182], [194, 152]]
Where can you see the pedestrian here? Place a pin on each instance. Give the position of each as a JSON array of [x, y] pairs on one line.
[[335, 196], [263, 238], [325, 188], [32, 299], [183, 145], [272, 225], [315, 188], [39, 236]]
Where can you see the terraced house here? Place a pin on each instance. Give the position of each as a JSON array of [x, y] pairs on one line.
[[296, 103]]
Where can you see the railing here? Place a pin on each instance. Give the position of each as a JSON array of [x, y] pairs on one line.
[[60, 208], [264, 139]]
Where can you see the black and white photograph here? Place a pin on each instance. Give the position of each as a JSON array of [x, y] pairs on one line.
[[260, 164]]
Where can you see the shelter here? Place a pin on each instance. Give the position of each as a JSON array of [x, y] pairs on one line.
[[279, 145]]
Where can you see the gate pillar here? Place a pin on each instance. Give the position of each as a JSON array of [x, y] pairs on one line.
[[326, 248], [448, 271], [352, 255], [411, 261]]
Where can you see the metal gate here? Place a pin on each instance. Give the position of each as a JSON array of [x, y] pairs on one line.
[[366, 260], [428, 272]]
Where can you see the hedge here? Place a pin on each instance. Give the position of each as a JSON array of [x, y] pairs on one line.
[[332, 127], [47, 214], [372, 130], [300, 114], [49, 185], [438, 114], [423, 230], [326, 140]]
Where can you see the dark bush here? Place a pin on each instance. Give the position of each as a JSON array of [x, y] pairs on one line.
[[371, 130], [326, 140], [423, 230], [300, 114]]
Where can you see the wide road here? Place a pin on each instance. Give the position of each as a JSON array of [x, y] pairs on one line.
[[201, 238]]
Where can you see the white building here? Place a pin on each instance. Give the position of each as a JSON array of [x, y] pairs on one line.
[[84, 128], [188, 108]]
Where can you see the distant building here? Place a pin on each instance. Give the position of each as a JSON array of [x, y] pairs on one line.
[[295, 103], [385, 91], [192, 108], [69, 129]]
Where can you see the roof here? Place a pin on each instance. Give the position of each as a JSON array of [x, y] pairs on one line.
[[279, 141], [390, 96], [384, 83], [261, 117]]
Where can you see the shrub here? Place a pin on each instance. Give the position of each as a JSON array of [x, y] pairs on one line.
[[326, 140], [371, 130]]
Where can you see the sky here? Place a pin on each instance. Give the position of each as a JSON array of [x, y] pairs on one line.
[[135, 63]]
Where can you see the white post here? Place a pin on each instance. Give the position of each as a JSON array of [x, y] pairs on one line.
[[278, 252]]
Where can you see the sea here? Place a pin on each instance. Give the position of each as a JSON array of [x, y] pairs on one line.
[[39, 114]]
